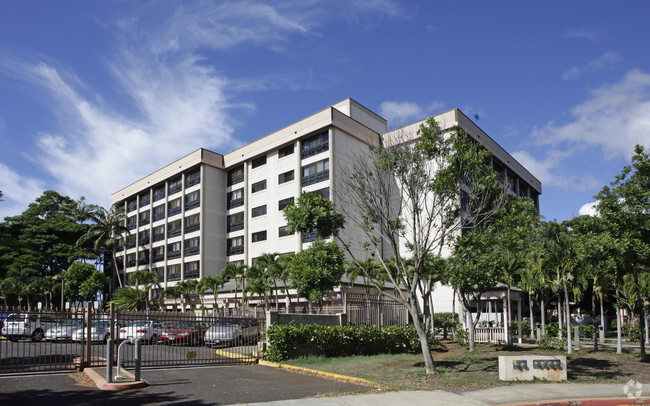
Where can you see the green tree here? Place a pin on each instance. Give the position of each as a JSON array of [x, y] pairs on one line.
[[315, 271], [43, 238], [146, 280], [188, 287], [262, 276], [129, 298], [210, 283], [419, 195], [625, 205], [21, 283], [236, 272], [82, 281], [312, 212], [106, 234]]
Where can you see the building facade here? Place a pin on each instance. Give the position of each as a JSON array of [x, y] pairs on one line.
[[195, 215]]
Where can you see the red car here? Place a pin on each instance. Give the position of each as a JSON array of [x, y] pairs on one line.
[[184, 332]]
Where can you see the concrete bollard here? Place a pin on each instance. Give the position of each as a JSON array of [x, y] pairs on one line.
[[109, 361], [138, 353]]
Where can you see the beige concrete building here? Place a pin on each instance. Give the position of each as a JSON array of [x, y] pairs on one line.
[[190, 218]]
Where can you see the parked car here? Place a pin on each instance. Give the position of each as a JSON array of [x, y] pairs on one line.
[[184, 332], [99, 331], [233, 331], [64, 330], [148, 331], [32, 326]]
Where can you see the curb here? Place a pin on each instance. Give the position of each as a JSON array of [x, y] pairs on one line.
[[243, 358], [586, 402], [321, 373], [101, 383]]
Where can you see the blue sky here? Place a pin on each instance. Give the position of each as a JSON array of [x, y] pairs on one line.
[[95, 95]]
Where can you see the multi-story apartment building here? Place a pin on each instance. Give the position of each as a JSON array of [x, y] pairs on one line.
[[193, 216]]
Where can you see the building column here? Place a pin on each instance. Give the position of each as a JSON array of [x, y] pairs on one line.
[[506, 318]]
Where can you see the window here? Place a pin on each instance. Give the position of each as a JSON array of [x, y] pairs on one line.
[[285, 177], [160, 271], [193, 178], [158, 193], [259, 161], [130, 260], [193, 200], [284, 202], [235, 198], [131, 222], [159, 212], [143, 237], [284, 151], [159, 233], [310, 236], [144, 218], [145, 198], [235, 222], [315, 145], [192, 223], [235, 246], [174, 272], [236, 175], [284, 231], [174, 228], [174, 250], [175, 185], [191, 270], [324, 192], [257, 186], [143, 257], [259, 236], [192, 246], [258, 211], [131, 205], [158, 253], [174, 206], [130, 241], [316, 172]]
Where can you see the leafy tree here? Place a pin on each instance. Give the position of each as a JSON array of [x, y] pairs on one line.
[[174, 292], [129, 298], [417, 196], [312, 212], [107, 232], [262, 276], [236, 272], [43, 238], [188, 287], [315, 271], [21, 283], [82, 281], [625, 205]]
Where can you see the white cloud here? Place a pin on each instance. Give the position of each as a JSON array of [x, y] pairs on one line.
[[589, 209], [18, 191], [580, 33], [614, 119], [400, 113], [548, 170], [604, 62]]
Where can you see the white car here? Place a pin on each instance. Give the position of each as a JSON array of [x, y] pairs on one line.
[[64, 330], [32, 326], [233, 331], [148, 331], [99, 331]]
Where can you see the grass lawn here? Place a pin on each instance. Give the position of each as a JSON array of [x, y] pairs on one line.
[[459, 370]]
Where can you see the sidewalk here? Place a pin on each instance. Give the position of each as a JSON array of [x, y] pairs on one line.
[[519, 394]]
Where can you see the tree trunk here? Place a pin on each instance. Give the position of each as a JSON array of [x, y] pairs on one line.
[[642, 318], [429, 363], [543, 314], [593, 315], [532, 315], [603, 322], [117, 270], [559, 316], [508, 320], [568, 318], [619, 335]]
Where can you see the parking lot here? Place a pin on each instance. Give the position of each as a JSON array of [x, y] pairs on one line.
[[213, 385]]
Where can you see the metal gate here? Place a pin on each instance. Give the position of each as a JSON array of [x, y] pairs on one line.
[[71, 340]]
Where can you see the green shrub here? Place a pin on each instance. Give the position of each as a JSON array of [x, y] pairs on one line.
[[525, 327], [631, 331], [291, 341], [461, 336], [587, 331], [444, 321], [552, 329], [552, 343]]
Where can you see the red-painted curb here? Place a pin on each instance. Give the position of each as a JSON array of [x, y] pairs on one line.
[[587, 402]]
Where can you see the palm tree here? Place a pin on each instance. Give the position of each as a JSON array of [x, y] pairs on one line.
[[212, 283], [187, 287], [236, 272], [20, 282], [146, 279], [129, 298], [175, 292], [263, 275], [107, 233]]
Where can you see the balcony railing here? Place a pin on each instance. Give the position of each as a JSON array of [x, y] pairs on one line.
[[235, 203], [192, 204], [316, 149], [158, 237], [143, 261], [130, 244], [234, 179], [175, 188], [143, 241], [130, 263], [174, 232], [131, 226], [158, 195], [173, 254], [235, 227], [315, 178], [175, 210], [145, 201], [192, 251], [173, 277], [158, 216], [192, 227], [158, 257], [193, 274], [192, 181], [235, 250]]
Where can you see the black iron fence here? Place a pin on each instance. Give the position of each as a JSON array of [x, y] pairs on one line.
[[375, 311], [56, 341]]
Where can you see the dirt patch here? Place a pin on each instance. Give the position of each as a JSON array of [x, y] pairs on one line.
[[81, 379]]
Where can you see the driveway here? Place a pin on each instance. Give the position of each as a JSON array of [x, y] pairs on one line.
[[222, 385]]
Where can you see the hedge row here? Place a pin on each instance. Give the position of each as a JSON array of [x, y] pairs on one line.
[[291, 341]]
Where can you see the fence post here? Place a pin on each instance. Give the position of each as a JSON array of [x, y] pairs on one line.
[[89, 341], [114, 332]]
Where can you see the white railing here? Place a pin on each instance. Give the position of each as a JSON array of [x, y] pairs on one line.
[[490, 335]]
